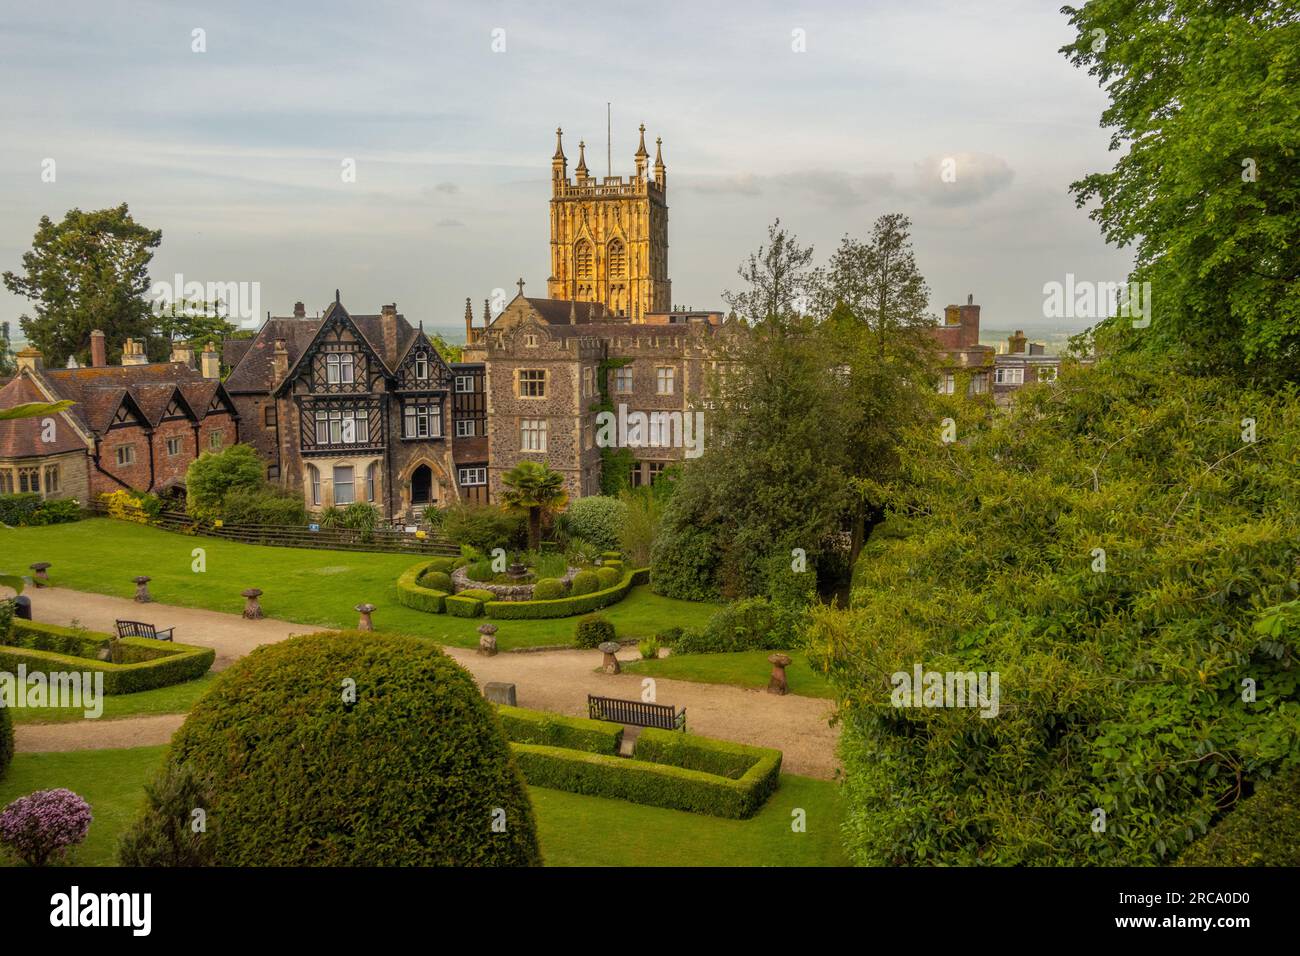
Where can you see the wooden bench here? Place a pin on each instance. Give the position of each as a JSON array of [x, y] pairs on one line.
[[636, 713], [141, 629]]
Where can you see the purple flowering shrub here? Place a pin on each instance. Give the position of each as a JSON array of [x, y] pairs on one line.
[[42, 825]]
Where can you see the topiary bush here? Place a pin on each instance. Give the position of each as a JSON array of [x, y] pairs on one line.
[[606, 577], [597, 519], [749, 625], [548, 589], [1263, 830], [350, 749], [584, 582], [436, 580], [593, 630], [41, 827]]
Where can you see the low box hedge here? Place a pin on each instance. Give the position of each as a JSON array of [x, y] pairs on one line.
[[566, 606], [457, 605], [410, 593], [722, 758], [653, 784], [555, 730], [147, 664]]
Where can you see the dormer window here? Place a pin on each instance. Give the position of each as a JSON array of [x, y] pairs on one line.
[[421, 366], [339, 368]]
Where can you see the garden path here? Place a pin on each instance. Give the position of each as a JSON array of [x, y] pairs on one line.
[[556, 681]]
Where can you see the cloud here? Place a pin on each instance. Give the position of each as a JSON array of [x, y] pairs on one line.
[[961, 179], [822, 187], [450, 224], [448, 188]]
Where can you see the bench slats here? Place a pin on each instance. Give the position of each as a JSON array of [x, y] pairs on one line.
[[638, 713]]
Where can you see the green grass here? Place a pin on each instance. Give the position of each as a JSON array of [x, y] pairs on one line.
[[578, 830], [303, 585], [741, 668], [575, 830], [177, 699], [111, 781]]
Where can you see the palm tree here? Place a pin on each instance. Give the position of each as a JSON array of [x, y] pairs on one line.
[[536, 489]]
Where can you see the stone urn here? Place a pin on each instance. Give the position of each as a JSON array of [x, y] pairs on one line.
[[39, 576], [610, 663], [487, 641], [365, 610], [252, 607], [777, 684], [142, 589]]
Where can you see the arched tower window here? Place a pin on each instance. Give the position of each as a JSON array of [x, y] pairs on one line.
[[617, 260], [582, 259]]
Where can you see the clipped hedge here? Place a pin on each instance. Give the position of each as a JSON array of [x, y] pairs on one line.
[[722, 758], [584, 582], [555, 730], [412, 770], [607, 577], [653, 784], [1263, 830], [412, 594], [147, 664], [436, 581], [566, 606], [458, 605], [548, 589]]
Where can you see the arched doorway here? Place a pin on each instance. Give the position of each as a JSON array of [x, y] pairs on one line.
[[422, 486]]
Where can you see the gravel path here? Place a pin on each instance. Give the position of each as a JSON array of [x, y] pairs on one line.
[[557, 681]]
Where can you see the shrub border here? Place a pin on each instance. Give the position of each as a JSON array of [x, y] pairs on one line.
[[540, 727], [419, 598]]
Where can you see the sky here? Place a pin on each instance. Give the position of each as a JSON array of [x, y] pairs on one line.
[[825, 115]]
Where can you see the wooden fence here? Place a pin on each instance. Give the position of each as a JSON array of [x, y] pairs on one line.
[[382, 540]]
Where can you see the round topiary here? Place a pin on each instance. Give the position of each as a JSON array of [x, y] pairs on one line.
[[593, 630], [608, 577], [548, 589], [436, 580], [584, 582], [354, 749]]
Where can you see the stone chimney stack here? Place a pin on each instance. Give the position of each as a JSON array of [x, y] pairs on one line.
[[183, 354], [1016, 343], [133, 353], [299, 311], [31, 359], [280, 361], [98, 349], [388, 322], [210, 361], [970, 323]]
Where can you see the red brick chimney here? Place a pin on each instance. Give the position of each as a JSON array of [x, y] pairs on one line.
[[970, 323], [98, 349], [299, 311]]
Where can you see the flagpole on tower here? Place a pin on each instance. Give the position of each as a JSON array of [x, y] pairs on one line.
[[609, 146]]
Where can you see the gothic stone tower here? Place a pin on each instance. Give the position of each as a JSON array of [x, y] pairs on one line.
[[609, 238]]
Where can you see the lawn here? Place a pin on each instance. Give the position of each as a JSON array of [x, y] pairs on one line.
[[303, 585], [575, 830], [176, 699], [742, 668], [111, 781]]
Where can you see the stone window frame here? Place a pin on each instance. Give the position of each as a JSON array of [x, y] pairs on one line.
[[124, 455], [412, 417], [535, 436], [28, 479], [313, 482], [350, 484], [618, 376], [522, 386], [50, 479], [7, 482], [216, 440], [372, 480], [671, 378], [176, 440], [270, 416]]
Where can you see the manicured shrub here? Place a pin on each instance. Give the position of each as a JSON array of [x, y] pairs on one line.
[[164, 834], [16, 509], [458, 605], [40, 827], [144, 664], [568, 606], [553, 730], [593, 630], [267, 505], [747, 625], [661, 784], [548, 589], [410, 593], [584, 582], [649, 648], [597, 519], [215, 474], [410, 772], [1263, 830], [436, 581], [606, 577]]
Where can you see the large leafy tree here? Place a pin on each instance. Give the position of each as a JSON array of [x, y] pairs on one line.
[[776, 280], [536, 490], [214, 475], [1204, 107], [88, 271]]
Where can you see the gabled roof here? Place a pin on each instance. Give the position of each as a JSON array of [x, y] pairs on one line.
[[22, 437], [556, 311]]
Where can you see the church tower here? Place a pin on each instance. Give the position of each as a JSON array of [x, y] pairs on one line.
[[609, 237]]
